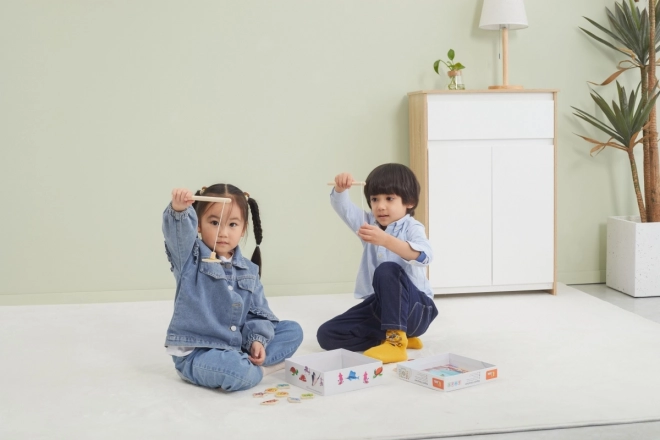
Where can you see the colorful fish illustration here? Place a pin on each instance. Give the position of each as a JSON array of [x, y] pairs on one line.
[[352, 376], [293, 371], [378, 372], [365, 378], [303, 378], [341, 378]]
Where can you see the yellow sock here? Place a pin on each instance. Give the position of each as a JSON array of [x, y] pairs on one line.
[[415, 343], [393, 349]]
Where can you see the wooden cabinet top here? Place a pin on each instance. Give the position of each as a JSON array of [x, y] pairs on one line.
[[437, 92]]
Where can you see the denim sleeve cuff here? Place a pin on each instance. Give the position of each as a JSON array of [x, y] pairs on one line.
[[178, 215], [258, 338]]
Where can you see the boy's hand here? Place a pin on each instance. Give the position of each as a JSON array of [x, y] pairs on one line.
[[343, 182], [373, 234], [181, 199], [257, 353]]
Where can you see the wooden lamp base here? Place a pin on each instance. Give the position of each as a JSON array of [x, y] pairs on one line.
[[505, 64]]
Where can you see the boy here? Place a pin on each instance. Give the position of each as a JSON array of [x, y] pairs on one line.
[[397, 304]]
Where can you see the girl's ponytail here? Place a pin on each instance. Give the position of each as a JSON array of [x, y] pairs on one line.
[[258, 233]]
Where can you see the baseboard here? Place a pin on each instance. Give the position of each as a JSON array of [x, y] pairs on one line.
[[582, 277], [160, 294], [86, 297], [308, 289]]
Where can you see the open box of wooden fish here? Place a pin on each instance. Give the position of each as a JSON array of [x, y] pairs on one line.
[[333, 372]]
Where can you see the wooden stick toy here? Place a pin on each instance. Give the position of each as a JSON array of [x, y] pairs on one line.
[[211, 199], [354, 183]]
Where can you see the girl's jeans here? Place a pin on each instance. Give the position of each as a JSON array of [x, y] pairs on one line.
[[395, 305], [230, 369]]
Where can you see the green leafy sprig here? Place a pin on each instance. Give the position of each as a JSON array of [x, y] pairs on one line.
[[450, 64]]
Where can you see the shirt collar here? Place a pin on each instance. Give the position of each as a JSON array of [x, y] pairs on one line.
[[395, 226]]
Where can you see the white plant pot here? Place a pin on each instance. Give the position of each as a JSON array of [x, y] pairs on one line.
[[633, 256]]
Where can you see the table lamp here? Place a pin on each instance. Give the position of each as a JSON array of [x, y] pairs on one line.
[[503, 15]]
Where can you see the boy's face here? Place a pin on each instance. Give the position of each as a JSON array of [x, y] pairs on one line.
[[231, 230], [388, 208]]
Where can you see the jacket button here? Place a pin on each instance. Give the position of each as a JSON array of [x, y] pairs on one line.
[[230, 288], [233, 328]]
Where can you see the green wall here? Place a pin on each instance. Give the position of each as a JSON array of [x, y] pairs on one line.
[[105, 106]]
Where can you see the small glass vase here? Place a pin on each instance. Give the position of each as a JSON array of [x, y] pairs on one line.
[[455, 80]]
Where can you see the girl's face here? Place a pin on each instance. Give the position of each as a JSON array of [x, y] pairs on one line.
[[231, 229]]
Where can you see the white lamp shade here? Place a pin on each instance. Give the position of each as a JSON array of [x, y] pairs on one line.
[[497, 14]]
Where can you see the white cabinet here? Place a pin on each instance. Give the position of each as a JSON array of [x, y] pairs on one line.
[[486, 163]]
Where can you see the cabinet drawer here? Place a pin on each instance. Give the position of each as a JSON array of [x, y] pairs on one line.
[[491, 116]]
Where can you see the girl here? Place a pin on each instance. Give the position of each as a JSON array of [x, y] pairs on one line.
[[222, 333]]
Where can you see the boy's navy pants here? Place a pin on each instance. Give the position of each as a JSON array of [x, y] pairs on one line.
[[397, 304]]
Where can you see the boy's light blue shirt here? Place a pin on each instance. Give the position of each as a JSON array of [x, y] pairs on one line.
[[407, 229]]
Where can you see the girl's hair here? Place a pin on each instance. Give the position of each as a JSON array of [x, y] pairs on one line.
[[243, 200], [393, 178]]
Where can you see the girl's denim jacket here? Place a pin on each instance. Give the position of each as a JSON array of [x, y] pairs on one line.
[[217, 305]]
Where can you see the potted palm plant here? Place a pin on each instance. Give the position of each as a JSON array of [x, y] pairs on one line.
[[633, 242]]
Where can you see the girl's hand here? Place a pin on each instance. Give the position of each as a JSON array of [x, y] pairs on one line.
[[373, 234], [343, 182], [257, 353], [181, 199]]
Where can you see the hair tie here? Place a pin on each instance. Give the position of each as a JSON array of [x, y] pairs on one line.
[[247, 195], [203, 189]]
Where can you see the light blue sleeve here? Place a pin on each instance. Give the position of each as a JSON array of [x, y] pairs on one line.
[[416, 238], [353, 216], [180, 232]]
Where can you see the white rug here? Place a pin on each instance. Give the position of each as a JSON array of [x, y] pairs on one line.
[[99, 371]]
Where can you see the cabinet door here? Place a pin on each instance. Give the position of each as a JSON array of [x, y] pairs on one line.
[[523, 213], [460, 214]]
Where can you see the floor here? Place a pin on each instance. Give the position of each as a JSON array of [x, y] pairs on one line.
[[648, 308]]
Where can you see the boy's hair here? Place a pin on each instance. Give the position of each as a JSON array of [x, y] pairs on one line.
[[240, 198], [393, 178]]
